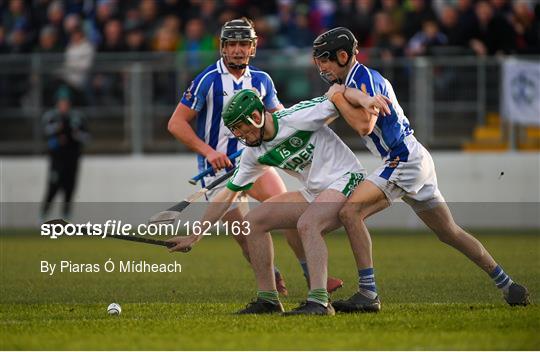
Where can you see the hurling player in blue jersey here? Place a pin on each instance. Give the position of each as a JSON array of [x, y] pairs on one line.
[[407, 172], [204, 100]]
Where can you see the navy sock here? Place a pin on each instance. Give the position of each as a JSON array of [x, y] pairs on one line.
[[303, 264]]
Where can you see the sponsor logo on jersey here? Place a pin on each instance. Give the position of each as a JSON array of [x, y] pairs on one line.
[[300, 160], [295, 142], [363, 88], [294, 153], [188, 94]]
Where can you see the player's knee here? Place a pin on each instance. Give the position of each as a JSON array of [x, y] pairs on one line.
[[449, 235], [304, 227], [256, 222], [350, 212], [308, 227]]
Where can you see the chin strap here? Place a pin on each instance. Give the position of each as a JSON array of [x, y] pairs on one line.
[[328, 81], [237, 67], [338, 81], [259, 126]]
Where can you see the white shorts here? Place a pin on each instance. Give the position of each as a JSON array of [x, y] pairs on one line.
[[346, 184], [409, 175]]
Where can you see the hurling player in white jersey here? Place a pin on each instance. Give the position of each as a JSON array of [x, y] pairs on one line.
[[298, 141], [204, 100], [407, 172]]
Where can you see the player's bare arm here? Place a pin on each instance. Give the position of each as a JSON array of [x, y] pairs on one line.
[[357, 98], [357, 117], [218, 207], [179, 126]]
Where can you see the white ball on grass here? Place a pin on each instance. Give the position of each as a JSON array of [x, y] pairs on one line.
[[114, 309]]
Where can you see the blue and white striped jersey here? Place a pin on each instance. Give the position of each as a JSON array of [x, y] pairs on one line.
[[387, 138], [211, 90]]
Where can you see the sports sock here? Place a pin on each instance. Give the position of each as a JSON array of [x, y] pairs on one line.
[[269, 296], [366, 283], [318, 295], [276, 271], [501, 279], [303, 264]]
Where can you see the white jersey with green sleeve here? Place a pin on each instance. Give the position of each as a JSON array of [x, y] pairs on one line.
[[303, 146]]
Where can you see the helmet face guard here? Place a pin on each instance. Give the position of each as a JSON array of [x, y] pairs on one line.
[[239, 109], [234, 31], [328, 44]]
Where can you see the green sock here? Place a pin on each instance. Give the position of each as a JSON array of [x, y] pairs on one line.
[[269, 296], [318, 295]]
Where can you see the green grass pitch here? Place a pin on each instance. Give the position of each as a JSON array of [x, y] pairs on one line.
[[433, 297]]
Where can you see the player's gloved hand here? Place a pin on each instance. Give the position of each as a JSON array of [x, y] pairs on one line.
[[218, 160], [378, 103], [183, 243], [334, 88]]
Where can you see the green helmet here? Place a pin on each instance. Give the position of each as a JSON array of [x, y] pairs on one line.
[[240, 108]]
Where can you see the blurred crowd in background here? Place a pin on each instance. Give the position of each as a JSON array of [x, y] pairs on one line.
[[125, 58], [395, 28]]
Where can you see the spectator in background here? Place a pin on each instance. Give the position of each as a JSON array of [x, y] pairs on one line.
[[173, 6], [172, 24], [383, 28], [79, 56], [527, 28], [450, 26], [419, 12], [286, 22], [71, 23], [265, 33], [48, 44], [39, 14], [165, 39], [493, 34], [3, 42], [300, 36], [66, 133], [16, 15], [343, 14], [198, 46], [422, 43], [18, 40], [55, 17], [135, 41], [466, 19], [502, 8], [396, 13], [207, 14], [113, 37], [149, 12], [48, 41], [105, 11], [321, 16], [363, 22], [294, 30], [227, 15], [132, 15], [107, 86], [386, 39]]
